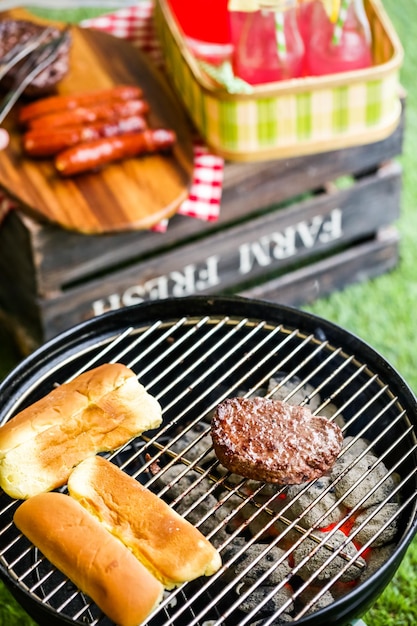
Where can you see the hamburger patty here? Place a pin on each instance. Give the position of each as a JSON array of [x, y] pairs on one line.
[[272, 441], [19, 31]]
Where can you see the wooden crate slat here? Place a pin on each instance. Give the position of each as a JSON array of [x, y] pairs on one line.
[[363, 261]]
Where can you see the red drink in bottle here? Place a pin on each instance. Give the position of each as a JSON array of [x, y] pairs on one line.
[[311, 14], [350, 50], [309, 11], [267, 44]]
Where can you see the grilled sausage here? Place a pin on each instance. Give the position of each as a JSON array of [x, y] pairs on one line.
[[85, 115], [74, 101], [43, 143], [92, 154]]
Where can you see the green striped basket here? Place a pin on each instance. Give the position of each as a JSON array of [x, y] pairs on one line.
[[292, 117]]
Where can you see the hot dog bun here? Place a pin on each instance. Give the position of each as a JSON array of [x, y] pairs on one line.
[[95, 561], [167, 544], [100, 410]]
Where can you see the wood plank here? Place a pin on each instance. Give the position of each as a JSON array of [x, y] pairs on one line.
[[63, 258], [362, 261]]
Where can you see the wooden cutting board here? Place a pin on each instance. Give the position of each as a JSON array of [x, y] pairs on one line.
[[132, 194]]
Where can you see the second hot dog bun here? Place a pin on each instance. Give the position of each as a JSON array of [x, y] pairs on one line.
[[99, 410], [95, 561], [171, 548]]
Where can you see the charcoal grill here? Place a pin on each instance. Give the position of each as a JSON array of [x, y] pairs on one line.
[[287, 556]]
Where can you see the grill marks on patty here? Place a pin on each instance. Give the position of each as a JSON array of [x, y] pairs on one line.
[[272, 441]]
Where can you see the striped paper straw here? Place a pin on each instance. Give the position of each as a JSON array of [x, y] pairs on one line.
[[280, 34], [340, 22]]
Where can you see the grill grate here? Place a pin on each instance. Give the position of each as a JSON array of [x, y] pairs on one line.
[[286, 551]]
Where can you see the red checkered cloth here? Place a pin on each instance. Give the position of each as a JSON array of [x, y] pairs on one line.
[[205, 194], [137, 26]]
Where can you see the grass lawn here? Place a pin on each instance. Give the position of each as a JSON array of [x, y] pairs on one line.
[[380, 311]]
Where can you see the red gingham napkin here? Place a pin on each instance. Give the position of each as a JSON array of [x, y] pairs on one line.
[[135, 24], [204, 197]]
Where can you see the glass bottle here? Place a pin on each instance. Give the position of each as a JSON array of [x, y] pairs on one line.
[[341, 46], [267, 45]]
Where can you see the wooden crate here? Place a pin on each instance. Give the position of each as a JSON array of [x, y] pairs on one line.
[[289, 231]]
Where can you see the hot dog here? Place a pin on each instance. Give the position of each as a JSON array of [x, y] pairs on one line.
[[74, 101], [92, 154], [42, 143], [86, 115]]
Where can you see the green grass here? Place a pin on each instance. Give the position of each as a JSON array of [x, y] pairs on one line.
[[11, 613], [380, 311], [398, 604]]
